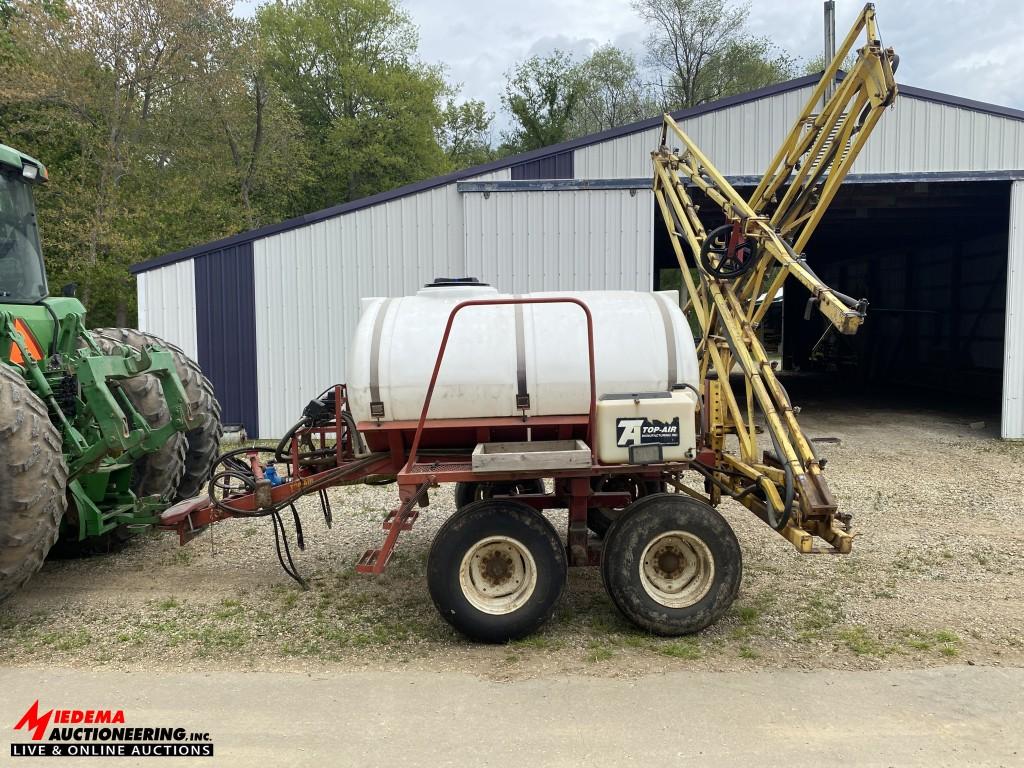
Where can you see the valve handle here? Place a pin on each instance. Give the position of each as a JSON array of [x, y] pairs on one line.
[[727, 253]]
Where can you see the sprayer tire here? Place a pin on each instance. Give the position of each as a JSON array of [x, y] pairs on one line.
[[202, 442], [671, 564], [33, 481], [496, 570]]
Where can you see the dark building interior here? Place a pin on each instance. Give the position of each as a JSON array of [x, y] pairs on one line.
[[930, 257]]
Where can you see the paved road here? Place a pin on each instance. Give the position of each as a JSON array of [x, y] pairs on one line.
[[948, 716]]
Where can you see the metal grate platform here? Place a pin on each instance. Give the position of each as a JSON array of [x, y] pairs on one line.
[[450, 466]]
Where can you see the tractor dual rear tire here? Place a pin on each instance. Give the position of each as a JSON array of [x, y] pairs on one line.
[[496, 570], [33, 481], [203, 442], [155, 474], [671, 564]]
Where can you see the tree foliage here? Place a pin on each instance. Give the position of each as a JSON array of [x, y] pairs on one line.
[[542, 94], [465, 133], [702, 50], [167, 123], [554, 98], [368, 108], [816, 64], [612, 93]]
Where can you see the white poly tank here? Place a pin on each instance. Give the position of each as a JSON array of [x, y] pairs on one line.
[[498, 354]]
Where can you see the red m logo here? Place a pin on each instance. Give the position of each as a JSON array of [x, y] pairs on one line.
[[33, 722]]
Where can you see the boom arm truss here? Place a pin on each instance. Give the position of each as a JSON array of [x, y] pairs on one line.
[[733, 273]]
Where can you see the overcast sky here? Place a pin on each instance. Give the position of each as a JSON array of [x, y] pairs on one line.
[[969, 48]]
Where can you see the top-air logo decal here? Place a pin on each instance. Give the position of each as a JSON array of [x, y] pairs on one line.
[[646, 432]]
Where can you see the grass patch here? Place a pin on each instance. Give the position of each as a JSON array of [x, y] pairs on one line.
[[945, 636], [687, 648], [184, 556], [746, 652], [229, 608], [820, 613], [598, 651], [919, 641], [66, 641], [863, 643], [751, 615], [947, 642], [646, 642], [748, 614]]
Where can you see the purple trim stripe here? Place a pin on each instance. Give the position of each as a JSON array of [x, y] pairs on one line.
[[226, 331], [558, 166]]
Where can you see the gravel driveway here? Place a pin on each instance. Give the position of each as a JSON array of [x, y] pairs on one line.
[[936, 577]]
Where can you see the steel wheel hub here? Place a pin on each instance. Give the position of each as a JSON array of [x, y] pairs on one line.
[[498, 575], [677, 569]]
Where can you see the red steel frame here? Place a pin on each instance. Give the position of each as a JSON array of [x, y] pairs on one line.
[[573, 488]]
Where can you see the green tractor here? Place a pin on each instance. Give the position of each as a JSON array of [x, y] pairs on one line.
[[100, 430]]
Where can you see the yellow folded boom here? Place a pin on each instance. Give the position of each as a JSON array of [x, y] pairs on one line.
[[733, 273]]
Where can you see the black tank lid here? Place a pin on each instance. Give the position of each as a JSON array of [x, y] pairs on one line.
[[446, 282]]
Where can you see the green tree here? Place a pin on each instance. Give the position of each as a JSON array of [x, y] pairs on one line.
[[702, 51], [542, 95], [816, 64], [368, 108], [464, 134], [95, 86], [744, 65], [612, 92], [255, 137]]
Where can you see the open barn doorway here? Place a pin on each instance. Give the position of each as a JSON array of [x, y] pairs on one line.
[[930, 257]]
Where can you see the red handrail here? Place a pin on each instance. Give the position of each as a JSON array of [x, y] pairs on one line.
[[496, 302]]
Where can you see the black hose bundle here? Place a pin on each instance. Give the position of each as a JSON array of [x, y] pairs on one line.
[[319, 412]]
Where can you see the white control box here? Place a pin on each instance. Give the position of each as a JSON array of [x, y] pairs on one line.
[[665, 420]]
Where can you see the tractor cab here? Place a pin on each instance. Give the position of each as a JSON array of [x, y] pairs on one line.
[[22, 274]]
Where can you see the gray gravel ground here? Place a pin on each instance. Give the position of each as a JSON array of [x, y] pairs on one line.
[[936, 577]]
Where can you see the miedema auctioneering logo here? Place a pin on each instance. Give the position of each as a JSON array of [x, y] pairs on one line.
[[102, 733]]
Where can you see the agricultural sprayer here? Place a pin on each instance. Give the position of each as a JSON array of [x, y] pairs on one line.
[[599, 403]]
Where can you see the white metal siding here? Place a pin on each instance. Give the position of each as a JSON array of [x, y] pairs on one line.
[[919, 136], [914, 136], [309, 281], [1013, 354], [739, 140], [167, 304], [502, 174], [566, 240]]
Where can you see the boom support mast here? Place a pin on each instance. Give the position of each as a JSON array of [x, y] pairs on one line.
[[733, 273]]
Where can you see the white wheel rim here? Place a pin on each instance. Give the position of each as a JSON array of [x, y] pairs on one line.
[[498, 575], [677, 569]]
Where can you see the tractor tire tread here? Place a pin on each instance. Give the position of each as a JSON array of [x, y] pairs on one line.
[[202, 442], [158, 473], [33, 482]]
